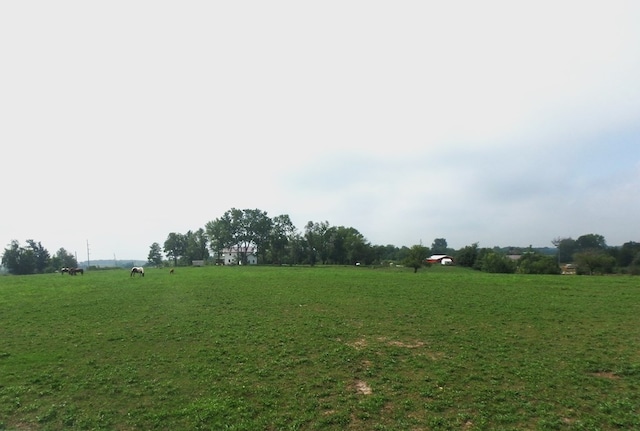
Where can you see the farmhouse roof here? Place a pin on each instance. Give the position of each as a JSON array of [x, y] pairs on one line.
[[238, 249], [438, 257]]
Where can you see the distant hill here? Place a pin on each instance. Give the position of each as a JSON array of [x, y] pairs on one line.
[[110, 263]]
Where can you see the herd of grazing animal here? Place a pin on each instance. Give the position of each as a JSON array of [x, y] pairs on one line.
[[139, 270], [72, 271]]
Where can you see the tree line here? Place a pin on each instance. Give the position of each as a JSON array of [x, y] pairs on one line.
[[587, 255], [276, 241], [35, 259]]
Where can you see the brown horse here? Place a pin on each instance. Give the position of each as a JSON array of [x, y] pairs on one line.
[[76, 271]]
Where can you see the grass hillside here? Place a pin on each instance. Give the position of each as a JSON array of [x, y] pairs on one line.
[[325, 348]]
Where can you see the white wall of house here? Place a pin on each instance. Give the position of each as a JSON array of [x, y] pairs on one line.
[[232, 256]]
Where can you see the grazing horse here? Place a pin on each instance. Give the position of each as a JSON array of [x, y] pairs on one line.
[[137, 270], [75, 271], [64, 269]]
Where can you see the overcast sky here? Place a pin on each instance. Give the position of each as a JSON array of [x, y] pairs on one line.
[[497, 122]]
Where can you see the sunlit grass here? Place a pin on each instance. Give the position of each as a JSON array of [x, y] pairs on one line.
[[246, 348]]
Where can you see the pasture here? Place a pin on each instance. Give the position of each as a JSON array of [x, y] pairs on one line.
[[325, 348]]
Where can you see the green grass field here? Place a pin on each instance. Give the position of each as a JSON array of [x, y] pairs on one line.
[[260, 348]]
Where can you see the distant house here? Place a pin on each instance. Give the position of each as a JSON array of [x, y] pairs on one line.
[[233, 255], [443, 259]]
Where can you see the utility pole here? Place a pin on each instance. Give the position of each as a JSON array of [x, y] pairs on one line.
[[88, 260]]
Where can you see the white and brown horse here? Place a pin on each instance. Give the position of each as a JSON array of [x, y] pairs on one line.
[[137, 270]]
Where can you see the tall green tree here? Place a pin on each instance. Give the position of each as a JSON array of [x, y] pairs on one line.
[[297, 251], [243, 230], [19, 260], [495, 262], [627, 253], [593, 261], [175, 246], [63, 259], [590, 241], [41, 256], [417, 257], [467, 256], [155, 254], [238, 229], [219, 233], [566, 248], [531, 262], [634, 267], [317, 237], [346, 246], [196, 246], [281, 236], [258, 229], [384, 254], [439, 246]]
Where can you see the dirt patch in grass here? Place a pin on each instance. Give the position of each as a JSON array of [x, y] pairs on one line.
[[362, 343], [358, 344], [606, 375], [362, 387], [413, 345]]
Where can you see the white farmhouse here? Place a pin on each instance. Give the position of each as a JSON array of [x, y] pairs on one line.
[[232, 255]]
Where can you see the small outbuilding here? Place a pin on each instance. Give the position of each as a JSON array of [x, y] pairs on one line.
[[442, 259]]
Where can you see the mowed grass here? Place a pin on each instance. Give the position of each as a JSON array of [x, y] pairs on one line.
[[325, 348]]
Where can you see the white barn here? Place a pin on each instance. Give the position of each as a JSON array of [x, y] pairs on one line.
[[443, 259]]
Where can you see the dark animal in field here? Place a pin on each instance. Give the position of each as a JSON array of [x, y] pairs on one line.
[[76, 271], [137, 270], [171, 271]]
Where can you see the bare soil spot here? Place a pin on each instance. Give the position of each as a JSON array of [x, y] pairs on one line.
[[606, 375], [362, 387], [362, 343], [359, 344], [413, 345]]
